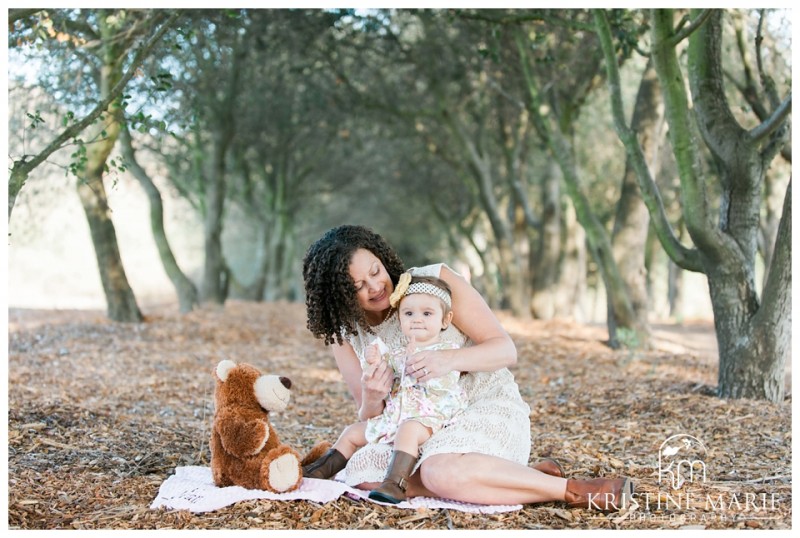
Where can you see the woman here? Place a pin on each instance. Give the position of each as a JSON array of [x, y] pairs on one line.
[[349, 274]]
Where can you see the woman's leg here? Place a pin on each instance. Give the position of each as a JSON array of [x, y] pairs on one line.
[[483, 479], [526, 488]]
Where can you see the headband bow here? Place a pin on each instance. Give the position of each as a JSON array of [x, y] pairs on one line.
[[404, 287]]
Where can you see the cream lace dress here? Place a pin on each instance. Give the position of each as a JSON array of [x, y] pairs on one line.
[[496, 421]]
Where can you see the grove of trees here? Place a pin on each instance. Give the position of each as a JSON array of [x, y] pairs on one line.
[[547, 152]]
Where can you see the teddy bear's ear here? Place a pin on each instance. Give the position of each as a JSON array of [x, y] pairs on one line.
[[224, 368]]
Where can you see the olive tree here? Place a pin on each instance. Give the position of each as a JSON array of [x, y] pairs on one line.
[[753, 330]]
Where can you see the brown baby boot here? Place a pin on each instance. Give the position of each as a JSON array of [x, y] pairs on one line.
[[330, 463], [393, 488]]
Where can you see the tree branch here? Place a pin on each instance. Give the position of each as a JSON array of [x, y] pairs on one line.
[[766, 80], [25, 167], [684, 257], [760, 132], [696, 208], [17, 14], [686, 31]]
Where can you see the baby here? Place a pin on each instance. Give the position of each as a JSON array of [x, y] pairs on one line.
[[413, 411]]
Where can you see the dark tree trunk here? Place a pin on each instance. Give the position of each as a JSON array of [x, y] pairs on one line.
[[216, 277], [753, 334], [547, 259], [633, 219], [184, 288], [755, 339], [572, 279], [121, 303], [214, 282], [675, 290]]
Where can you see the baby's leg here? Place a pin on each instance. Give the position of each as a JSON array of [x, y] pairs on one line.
[[335, 459], [352, 438], [410, 435]]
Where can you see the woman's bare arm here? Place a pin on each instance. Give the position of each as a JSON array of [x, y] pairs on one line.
[[369, 387]]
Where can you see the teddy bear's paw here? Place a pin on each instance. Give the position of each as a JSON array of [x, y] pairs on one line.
[[284, 473]]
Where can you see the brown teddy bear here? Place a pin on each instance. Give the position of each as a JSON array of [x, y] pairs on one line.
[[245, 449]]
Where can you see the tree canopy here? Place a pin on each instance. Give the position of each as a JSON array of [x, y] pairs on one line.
[[503, 141]]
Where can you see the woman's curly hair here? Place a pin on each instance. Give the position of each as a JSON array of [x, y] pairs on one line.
[[331, 303]]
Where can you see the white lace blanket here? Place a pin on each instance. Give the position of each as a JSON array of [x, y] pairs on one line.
[[192, 488]]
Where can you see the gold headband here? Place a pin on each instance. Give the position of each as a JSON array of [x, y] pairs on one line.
[[404, 287]]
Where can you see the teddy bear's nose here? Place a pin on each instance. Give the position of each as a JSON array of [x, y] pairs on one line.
[[286, 382]]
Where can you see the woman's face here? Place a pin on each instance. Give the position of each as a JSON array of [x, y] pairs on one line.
[[373, 284]]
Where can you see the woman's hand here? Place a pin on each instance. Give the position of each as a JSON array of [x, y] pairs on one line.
[[427, 365], [367, 385], [377, 378]]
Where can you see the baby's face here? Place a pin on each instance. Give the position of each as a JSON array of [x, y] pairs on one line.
[[421, 317]]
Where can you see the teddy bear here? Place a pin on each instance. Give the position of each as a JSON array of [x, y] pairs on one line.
[[245, 448]]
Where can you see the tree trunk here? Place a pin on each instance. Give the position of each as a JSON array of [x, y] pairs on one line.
[[257, 290], [675, 290], [768, 230], [276, 253], [753, 335], [120, 300], [572, 279], [755, 345], [749, 363], [216, 278], [558, 260], [213, 282], [512, 281], [547, 259], [288, 281], [121, 303], [633, 219], [599, 244], [184, 288]]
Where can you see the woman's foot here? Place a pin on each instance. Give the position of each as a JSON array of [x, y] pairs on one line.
[[551, 467], [604, 494]]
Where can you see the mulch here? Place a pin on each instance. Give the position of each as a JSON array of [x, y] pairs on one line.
[[101, 413]]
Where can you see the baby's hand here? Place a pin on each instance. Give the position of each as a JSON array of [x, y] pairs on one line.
[[411, 347], [372, 354]]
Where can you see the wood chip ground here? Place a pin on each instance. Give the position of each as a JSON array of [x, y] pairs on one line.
[[101, 413]]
